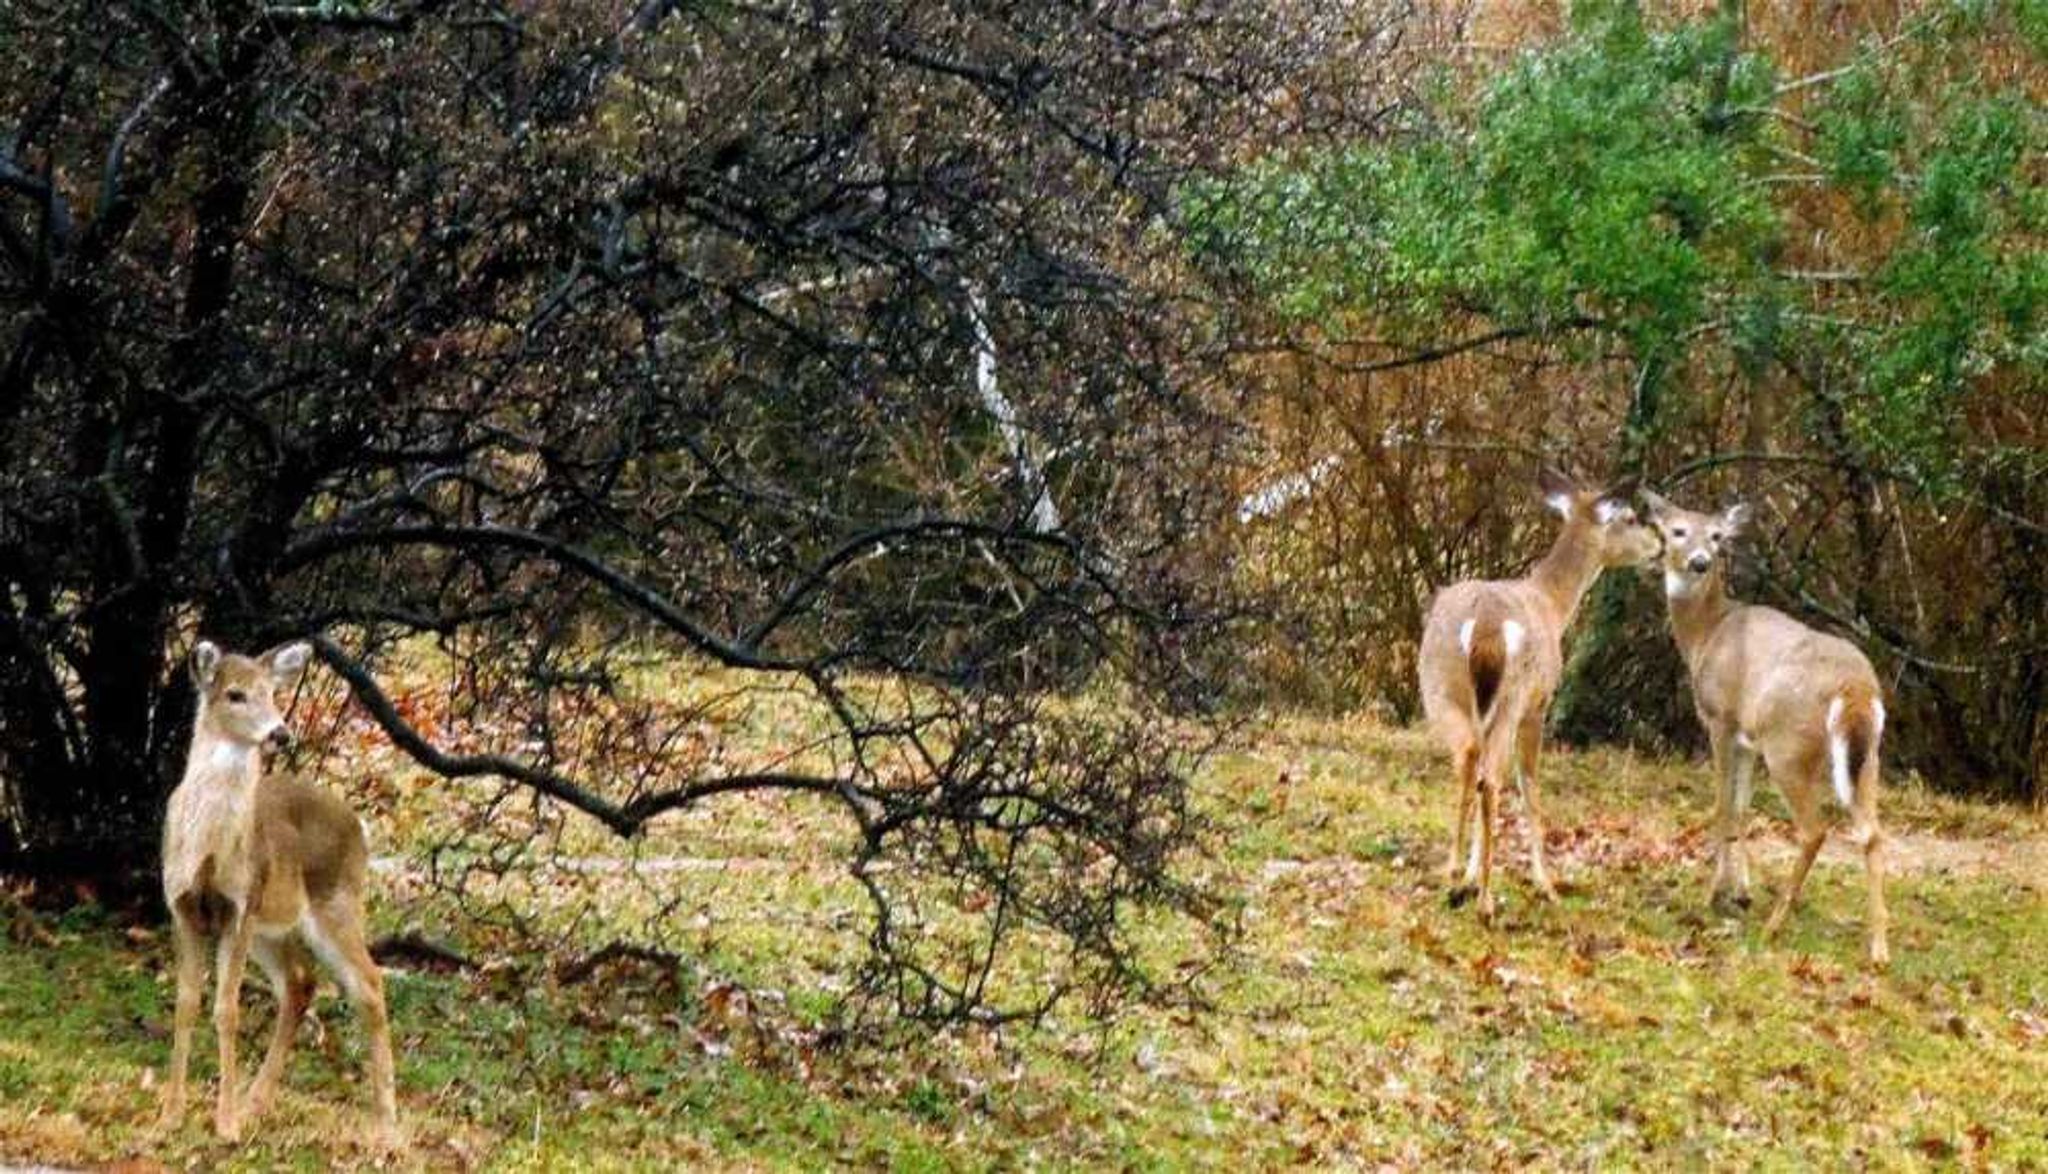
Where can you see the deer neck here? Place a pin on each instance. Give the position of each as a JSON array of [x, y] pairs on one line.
[[221, 776], [1564, 575], [209, 831], [221, 762], [1696, 613]]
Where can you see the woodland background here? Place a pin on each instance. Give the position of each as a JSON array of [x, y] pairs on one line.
[[835, 531], [1035, 391]]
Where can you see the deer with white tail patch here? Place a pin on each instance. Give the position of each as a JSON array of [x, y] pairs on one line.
[[1767, 685], [1491, 657]]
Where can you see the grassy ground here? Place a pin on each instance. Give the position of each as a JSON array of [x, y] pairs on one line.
[[1365, 1023]]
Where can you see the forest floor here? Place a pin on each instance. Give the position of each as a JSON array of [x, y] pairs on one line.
[[1362, 1024]]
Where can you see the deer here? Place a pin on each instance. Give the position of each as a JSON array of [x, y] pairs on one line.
[[1765, 685], [269, 867], [1491, 657]]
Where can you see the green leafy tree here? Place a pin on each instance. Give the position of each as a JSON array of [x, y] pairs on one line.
[[1660, 207]]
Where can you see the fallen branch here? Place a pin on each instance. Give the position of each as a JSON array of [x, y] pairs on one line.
[[571, 973], [418, 950]]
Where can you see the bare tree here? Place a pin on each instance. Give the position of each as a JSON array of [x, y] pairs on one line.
[[565, 336]]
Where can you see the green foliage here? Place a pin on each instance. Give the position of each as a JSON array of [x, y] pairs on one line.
[[1640, 183], [1960, 296], [1601, 179]]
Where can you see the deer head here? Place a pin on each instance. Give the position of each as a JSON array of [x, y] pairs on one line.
[[238, 694], [1695, 544], [1603, 519]]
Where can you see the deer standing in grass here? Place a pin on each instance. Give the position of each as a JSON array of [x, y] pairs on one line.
[[1766, 684], [1491, 657], [272, 868]]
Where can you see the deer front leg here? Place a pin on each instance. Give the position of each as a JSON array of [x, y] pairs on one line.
[[1731, 874], [191, 974], [227, 1020]]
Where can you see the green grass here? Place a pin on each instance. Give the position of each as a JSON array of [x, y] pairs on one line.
[[1364, 1022]]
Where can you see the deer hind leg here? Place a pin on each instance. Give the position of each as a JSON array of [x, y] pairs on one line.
[[1879, 917], [1465, 764], [291, 976], [1802, 794], [1489, 806], [1863, 827], [1528, 747], [1496, 757], [335, 930], [227, 1019], [191, 964]]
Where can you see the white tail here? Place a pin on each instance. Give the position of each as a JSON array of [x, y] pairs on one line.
[[1842, 753]]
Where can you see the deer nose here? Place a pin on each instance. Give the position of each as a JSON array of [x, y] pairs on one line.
[[1699, 563], [279, 738]]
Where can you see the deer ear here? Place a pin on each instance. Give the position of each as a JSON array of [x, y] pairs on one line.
[[1657, 506], [205, 662], [287, 661], [1559, 491], [1737, 517]]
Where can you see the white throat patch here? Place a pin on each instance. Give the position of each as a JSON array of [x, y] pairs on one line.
[[231, 757], [1678, 584]]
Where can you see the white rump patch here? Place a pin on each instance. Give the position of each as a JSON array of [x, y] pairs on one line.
[[1512, 633], [1876, 718], [1834, 714], [1465, 636]]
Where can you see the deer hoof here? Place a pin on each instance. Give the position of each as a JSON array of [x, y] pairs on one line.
[[385, 1140], [1460, 894], [169, 1118], [1730, 904], [227, 1127], [1880, 956]]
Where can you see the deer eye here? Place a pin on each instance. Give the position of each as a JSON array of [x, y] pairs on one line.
[[236, 697], [1678, 531], [1714, 536]]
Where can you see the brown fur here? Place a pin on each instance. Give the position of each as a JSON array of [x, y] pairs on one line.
[[1487, 701], [1765, 685], [272, 868]]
